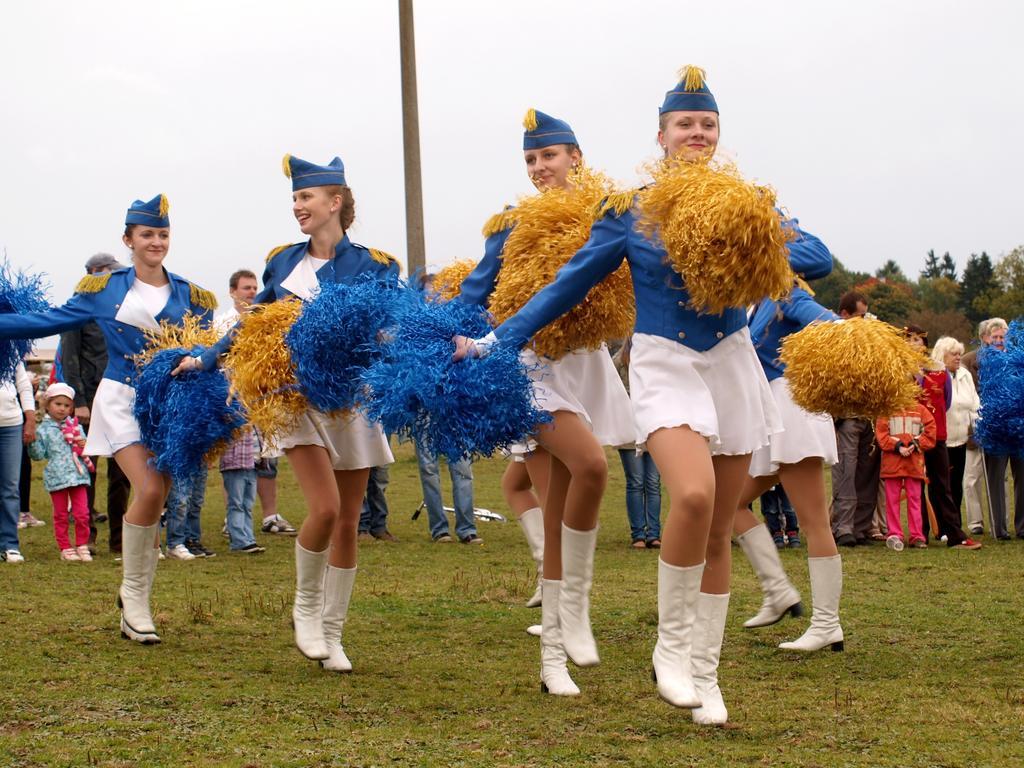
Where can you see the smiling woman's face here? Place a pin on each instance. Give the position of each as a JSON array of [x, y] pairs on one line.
[[693, 134]]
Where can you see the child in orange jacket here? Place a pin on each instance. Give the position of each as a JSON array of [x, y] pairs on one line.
[[903, 439]]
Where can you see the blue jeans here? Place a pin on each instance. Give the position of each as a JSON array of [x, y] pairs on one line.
[[240, 487], [184, 504], [462, 492], [643, 494], [10, 474], [778, 512], [374, 518]]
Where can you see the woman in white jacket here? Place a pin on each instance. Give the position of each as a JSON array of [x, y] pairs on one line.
[[17, 426], [960, 419]]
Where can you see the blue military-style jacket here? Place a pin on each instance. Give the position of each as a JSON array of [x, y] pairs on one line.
[[479, 284], [280, 278], [772, 321], [661, 298], [120, 315]]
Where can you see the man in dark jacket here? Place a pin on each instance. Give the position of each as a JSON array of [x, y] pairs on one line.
[[83, 357]]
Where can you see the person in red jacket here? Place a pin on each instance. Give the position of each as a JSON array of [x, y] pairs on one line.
[[903, 439], [937, 395]]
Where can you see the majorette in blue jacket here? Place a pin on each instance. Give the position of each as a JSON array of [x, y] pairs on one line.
[[661, 297], [102, 298], [349, 261]]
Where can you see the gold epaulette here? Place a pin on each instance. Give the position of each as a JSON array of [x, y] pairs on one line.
[[202, 297], [381, 257], [499, 222], [275, 251], [619, 202], [93, 283], [801, 283]]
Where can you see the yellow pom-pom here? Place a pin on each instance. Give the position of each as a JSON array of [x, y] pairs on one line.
[[286, 165], [722, 234], [259, 365], [530, 120], [448, 281], [184, 335], [855, 368], [165, 205], [550, 227], [692, 78]]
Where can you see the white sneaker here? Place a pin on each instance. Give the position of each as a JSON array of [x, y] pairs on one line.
[[895, 543], [13, 556], [180, 552], [84, 554], [70, 555]]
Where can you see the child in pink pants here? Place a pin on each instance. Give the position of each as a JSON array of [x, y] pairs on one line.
[[903, 439], [59, 439]]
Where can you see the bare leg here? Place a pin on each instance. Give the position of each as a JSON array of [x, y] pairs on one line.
[[150, 488], [266, 489], [752, 489], [518, 489], [805, 485], [351, 485], [315, 476], [730, 473]]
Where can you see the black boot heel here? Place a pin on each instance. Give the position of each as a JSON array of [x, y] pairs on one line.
[[838, 646], [796, 611], [654, 675], [544, 687]]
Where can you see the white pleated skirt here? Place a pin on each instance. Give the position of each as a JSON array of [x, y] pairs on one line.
[[112, 424], [805, 435], [721, 394], [586, 383], [351, 440]]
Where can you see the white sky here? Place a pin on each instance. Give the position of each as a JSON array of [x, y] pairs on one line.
[[888, 128]]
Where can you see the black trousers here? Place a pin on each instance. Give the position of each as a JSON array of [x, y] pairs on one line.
[[936, 463], [118, 489], [957, 464]]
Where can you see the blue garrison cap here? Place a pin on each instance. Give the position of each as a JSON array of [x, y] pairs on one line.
[[151, 214], [305, 174], [544, 130], [691, 93]]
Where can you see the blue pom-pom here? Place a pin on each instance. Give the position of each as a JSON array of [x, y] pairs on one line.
[[336, 337], [458, 410], [182, 418], [20, 293], [1000, 429]]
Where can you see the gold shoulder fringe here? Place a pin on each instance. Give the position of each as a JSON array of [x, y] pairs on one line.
[[260, 368], [381, 257], [275, 251], [551, 226], [202, 297], [860, 367], [448, 281], [499, 222], [618, 202], [722, 233], [93, 283]]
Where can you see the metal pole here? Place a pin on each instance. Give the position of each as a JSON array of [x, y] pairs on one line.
[[416, 257]]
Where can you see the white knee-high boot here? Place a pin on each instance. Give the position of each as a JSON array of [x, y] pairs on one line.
[[677, 611], [574, 599], [554, 674], [532, 523], [138, 563], [707, 649], [826, 589], [780, 596], [307, 612], [338, 584]]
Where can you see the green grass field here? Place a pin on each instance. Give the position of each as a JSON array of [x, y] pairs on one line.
[[445, 674]]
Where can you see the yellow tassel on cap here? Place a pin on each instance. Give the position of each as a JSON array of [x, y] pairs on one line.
[[286, 165], [860, 367], [530, 120], [550, 227], [692, 77], [93, 283], [448, 281], [260, 368], [165, 205], [722, 234]]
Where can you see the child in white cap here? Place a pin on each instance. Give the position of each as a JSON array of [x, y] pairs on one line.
[[60, 439]]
